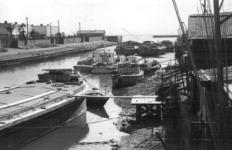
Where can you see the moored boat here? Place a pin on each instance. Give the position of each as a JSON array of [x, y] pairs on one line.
[[32, 110], [96, 98], [127, 48], [150, 66], [102, 62], [128, 74], [145, 64]]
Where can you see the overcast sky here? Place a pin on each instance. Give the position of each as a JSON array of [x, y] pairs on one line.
[[114, 16]]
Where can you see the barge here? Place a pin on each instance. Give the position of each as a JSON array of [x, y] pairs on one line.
[[36, 108]]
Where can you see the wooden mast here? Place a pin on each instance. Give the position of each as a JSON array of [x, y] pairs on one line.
[[217, 42]]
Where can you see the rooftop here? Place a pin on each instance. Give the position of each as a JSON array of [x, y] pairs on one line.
[[91, 32]]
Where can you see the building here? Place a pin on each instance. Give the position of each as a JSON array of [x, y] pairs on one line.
[[91, 35], [5, 34], [113, 38], [51, 30], [41, 31], [45, 30], [201, 39]]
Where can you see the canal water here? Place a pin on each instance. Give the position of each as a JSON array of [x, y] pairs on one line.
[[100, 122]]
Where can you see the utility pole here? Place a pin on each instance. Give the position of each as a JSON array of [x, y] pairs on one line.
[[27, 30], [79, 27], [58, 26], [50, 29], [80, 31]]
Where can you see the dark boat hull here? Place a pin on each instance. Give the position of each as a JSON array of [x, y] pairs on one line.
[[125, 81], [95, 101], [73, 113]]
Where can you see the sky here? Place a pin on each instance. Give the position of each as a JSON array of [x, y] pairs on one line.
[[115, 16]]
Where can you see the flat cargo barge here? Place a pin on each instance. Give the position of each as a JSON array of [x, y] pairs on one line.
[[32, 110], [15, 56]]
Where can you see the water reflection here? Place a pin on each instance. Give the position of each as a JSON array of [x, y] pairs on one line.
[[15, 75]]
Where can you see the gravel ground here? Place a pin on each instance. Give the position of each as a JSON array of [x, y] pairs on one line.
[[141, 136]]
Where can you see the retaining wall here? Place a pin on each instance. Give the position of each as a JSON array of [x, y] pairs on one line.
[[32, 43]]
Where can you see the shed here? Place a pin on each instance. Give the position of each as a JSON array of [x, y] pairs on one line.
[[91, 35], [201, 38]]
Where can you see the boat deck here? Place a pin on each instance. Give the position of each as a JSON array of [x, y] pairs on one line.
[[29, 97]]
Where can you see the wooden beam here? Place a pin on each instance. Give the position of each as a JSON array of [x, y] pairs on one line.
[[225, 19]]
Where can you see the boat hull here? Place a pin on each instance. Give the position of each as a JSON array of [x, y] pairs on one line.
[[96, 102], [95, 69], [83, 68], [120, 81], [72, 113], [102, 70]]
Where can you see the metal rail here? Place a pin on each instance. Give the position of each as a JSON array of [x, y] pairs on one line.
[[111, 96]]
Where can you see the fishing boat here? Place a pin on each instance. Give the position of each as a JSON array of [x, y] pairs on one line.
[[102, 62], [127, 48], [145, 64], [150, 66], [36, 108], [151, 49], [96, 98], [128, 74]]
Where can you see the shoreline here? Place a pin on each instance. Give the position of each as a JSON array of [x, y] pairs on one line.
[[141, 136], [18, 56]]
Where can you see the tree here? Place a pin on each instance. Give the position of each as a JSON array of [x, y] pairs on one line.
[[21, 30], [33, 34]]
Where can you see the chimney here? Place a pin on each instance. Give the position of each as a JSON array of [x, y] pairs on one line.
[[41, 24], [5, 22]]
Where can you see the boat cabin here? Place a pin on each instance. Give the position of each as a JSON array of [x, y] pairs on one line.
[[58, 75], [104, 56], [132, 59]]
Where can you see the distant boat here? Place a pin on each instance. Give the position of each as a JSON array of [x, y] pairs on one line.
[[127, 48]]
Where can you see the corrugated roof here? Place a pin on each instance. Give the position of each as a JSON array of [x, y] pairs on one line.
[[91, 32], [202, 27]]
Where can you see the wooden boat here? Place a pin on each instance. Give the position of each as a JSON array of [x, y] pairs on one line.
[[32, 110], [102, 62], [96, 98], [147, 65], [127, 48], [128, 74], [150, 66]]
